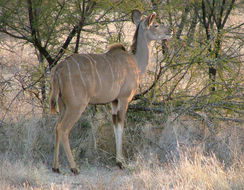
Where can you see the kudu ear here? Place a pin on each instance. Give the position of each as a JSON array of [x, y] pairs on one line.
[[150, 19], [136, 17]]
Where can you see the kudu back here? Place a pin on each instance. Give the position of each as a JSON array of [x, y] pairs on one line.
[[113, 77]]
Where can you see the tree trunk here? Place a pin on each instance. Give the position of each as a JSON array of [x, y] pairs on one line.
[[43, 87]]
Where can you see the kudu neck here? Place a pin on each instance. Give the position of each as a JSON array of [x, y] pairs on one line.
[[142, 52]]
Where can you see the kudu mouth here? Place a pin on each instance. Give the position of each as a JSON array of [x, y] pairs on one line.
[[167, 36]]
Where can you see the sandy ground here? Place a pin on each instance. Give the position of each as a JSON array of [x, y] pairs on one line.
[[89, 178]]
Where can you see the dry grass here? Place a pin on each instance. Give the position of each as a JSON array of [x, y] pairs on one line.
[[161, 155], [19, 173], [178, 155], [202, 172]]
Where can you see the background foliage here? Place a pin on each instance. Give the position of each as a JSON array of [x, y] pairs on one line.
[[192, 95]]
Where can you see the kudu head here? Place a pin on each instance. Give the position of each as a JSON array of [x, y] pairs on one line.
[[150, 28]]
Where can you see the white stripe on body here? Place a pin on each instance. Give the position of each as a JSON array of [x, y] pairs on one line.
[[71, 85], [94, 61], [82, 79], [112, 72]]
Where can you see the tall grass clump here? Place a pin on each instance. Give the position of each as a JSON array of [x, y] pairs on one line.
[[187, 172], [29, 139], [173, 154], [17, 173], [164, 139]]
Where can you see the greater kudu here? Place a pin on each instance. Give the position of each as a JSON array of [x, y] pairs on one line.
[[101, 78]]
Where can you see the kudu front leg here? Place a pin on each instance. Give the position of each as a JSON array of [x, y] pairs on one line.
[[118, 115], [118, 131]]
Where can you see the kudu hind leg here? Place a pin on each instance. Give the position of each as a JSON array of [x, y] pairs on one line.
[[71, 116], [57, 137], [56, 150]]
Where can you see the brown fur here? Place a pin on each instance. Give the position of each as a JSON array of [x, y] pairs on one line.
[[112, 77], [54, 93], [116, 46]]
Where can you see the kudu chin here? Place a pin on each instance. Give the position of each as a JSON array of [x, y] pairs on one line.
[[112, 77]]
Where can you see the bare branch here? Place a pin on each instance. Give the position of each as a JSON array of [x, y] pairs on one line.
[[88, 11], [228, 13], [77, 43]]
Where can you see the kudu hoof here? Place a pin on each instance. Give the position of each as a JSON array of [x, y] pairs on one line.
[[56, 170], [74, 171]]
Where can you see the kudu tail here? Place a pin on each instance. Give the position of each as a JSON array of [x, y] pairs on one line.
[[54, 92]]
